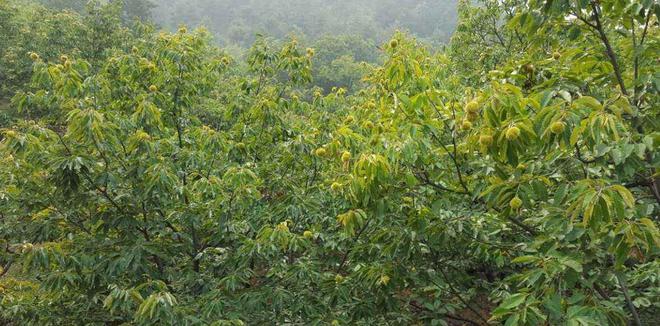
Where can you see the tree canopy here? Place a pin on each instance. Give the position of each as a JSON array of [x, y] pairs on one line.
[[510, 177]]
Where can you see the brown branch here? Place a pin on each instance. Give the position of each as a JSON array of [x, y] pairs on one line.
[[445, 315], [424, 177], [601, 292], [636, 58], [178, 112], [608, 48], [452, 156], [454, 160], [582, 19], [344, 259], [523, 226], [103, 191], [654, 182], [6, 268], [631, 306], [646, 27], [636, 61], [460, 298]]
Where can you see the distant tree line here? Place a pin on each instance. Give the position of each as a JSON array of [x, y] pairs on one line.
[[344, 32], [238, 21]]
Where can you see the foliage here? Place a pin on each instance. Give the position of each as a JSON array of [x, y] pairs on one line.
[[158, 180], [29, 28], [342, 61], [130, 9]]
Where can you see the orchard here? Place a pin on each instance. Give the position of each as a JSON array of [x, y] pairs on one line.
[[507, 178]]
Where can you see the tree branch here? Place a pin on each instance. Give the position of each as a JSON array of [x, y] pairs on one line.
[[608, 48], [459, 297], [631, 306], [344, 259]]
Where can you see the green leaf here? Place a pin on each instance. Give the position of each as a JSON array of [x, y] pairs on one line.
[[525, 259], [552, 304], [513, 301], [575, 265], [513, 320], [589, 102], [625, 194]]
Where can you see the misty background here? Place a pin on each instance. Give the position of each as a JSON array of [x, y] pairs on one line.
[[236, 22], [344, 33]]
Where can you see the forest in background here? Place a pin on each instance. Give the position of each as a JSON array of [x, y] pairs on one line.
[[163, 174], [345, 34], [237, 22]]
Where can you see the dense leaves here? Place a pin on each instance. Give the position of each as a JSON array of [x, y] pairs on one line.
[[510, 178]]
